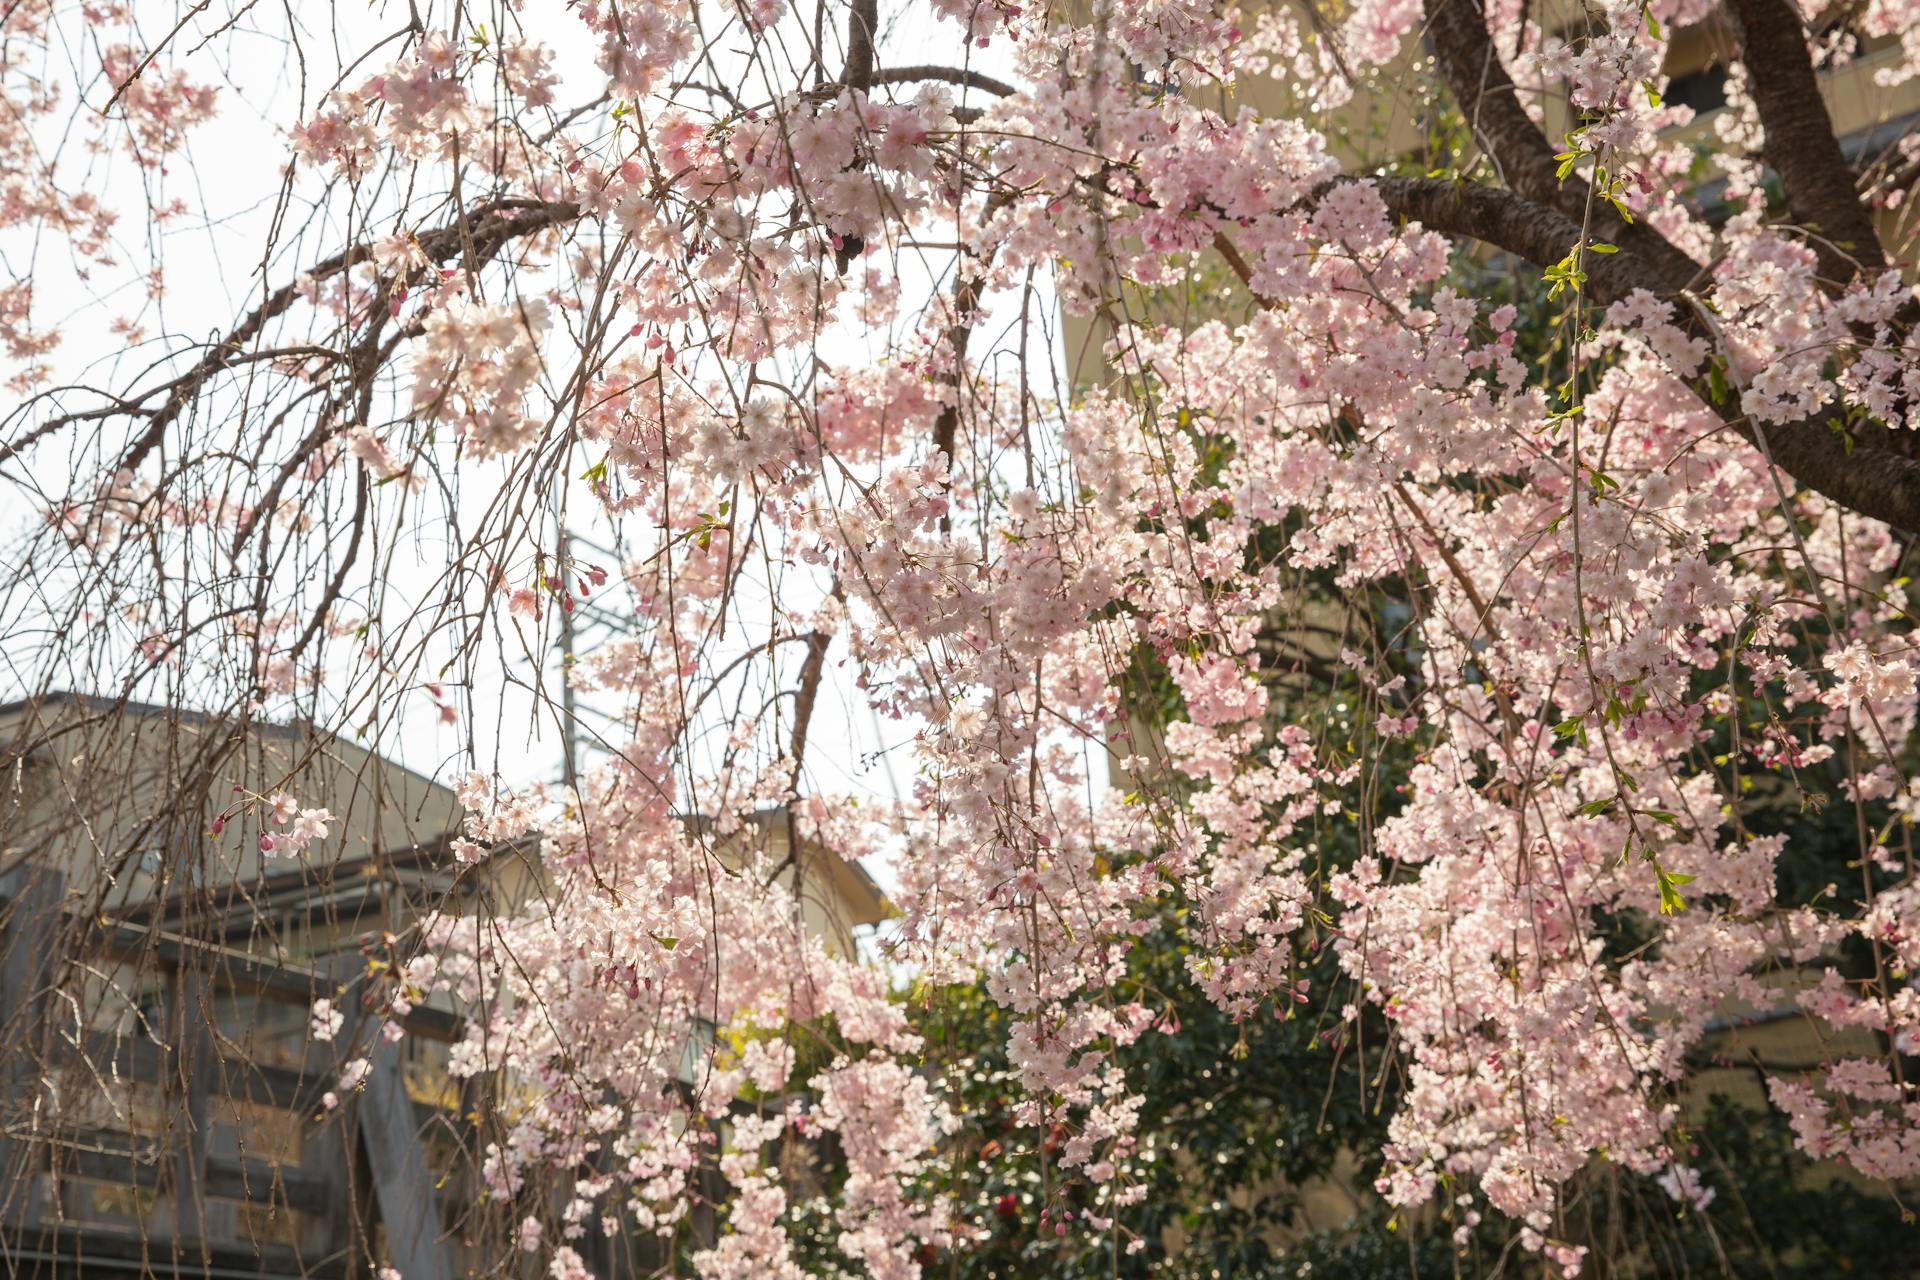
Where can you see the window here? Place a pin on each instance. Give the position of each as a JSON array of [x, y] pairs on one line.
[[1704, 89]]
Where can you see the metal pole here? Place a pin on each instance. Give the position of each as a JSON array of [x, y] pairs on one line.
[[569, 716]]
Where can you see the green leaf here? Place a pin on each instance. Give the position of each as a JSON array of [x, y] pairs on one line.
[[1671, 903]]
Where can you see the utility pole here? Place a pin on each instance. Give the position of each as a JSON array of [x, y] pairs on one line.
[[586, 624], [569, 712]]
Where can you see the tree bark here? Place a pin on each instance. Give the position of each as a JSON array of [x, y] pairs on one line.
[[1520, 153], [1800, 144], [1540, 219]]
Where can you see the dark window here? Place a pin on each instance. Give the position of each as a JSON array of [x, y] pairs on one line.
[[1704, 90]]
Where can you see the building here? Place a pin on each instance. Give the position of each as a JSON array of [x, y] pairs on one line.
[[162, 1105]]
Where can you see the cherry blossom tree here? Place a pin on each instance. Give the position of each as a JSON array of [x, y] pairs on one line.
[[1449, 583]]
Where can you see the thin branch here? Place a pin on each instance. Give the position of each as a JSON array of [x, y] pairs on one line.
[[494, 225]]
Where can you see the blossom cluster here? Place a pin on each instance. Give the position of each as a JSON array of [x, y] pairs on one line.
[[1403, 652]]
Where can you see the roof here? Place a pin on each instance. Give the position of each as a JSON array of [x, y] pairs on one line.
[[293, 730], [856, 887], [858, 900]]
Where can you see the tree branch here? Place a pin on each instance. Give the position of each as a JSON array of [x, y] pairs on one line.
[[861, 24], [1801, 145], [492, 225], [1520, 153], [1522, 227], [966, 76], [1875, 481]]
